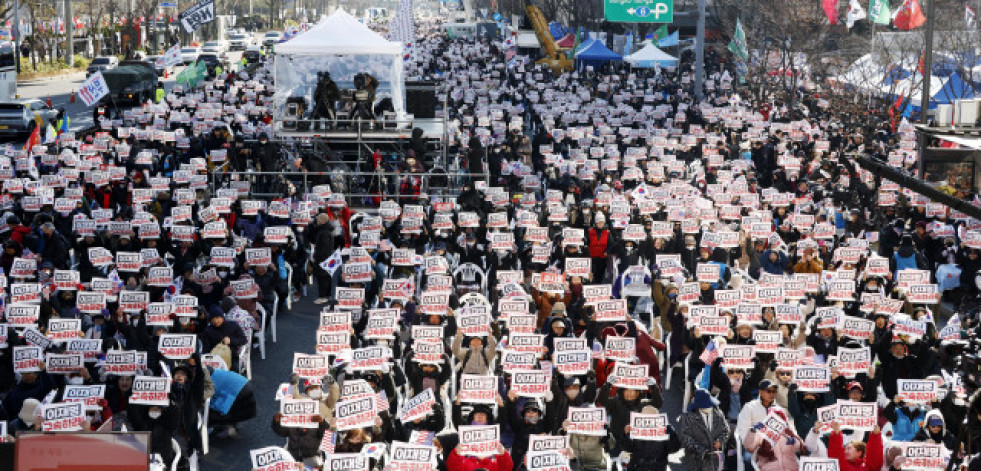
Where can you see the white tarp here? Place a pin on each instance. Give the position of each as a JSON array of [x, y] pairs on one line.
[[345, 47]]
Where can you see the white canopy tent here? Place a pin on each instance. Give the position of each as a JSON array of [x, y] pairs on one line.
[[345, 47], [649, 56]]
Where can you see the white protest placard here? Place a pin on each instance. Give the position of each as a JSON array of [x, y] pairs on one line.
[[572, 362], [418, 406], [587, 421], [479, 440], [917, 391], [57, 363], [773, 428], [856, 328], [808, 463], [151, 391], [478, 389], [23, 315], [767, 341], [411, 457], [530, 383], [812, 378], [621, 348], [552, 460], [382, 324], [858, 416], [272, 458], [299, 413], [122, 362], [737, 356], [369, 358], [347, 462], [93, 89], [62, 330], [474, 320], [88, 395], [852, 361], [652, 427], [355, 413], [62, 417], [177, 346], [612, 310], [28, 358], [630, 376], [924, 456], [310, 366]]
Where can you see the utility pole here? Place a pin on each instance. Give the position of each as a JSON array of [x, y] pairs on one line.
[[16, 31], [69, 34], [700, 50], [927, 63]]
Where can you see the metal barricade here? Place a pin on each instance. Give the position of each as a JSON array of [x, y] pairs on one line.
[[360, 189]]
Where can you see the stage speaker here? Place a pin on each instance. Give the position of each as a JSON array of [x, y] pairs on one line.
[[420, 99]]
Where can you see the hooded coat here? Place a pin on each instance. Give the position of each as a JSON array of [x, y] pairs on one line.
[[944, 437]]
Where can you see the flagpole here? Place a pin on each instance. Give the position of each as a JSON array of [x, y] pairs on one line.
[[872, 59], [927, 63]]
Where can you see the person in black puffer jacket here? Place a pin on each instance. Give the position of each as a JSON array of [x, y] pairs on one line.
[[651, 454]]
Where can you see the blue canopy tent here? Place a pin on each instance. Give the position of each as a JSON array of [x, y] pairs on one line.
[[943, 90], [595, 54]]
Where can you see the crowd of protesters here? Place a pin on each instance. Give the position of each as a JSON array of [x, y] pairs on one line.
[[632, 246]]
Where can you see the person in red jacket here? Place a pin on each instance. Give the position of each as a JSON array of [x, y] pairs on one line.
[[598, 238], [499, 462], [857, 455]]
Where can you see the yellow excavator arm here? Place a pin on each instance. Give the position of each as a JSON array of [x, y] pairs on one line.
[[555, 59]]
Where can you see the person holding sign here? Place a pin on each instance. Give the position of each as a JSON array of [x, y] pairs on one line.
[[531, 421], [651, 454], [907, 419], [623, 402], [500, 462], [161, 421], [302, 443], [775, 454], [857, 455]]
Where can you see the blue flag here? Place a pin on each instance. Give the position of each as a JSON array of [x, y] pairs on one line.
[[670, 41]]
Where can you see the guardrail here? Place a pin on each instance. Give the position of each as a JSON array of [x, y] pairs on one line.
[[360, 189]]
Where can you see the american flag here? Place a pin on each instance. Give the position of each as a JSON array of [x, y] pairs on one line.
[[327, 444], [710, 354], [422, 437]]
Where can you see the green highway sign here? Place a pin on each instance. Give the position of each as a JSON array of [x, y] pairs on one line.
[[639, 11]]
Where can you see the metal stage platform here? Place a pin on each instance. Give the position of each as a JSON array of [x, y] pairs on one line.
[[384, 131]]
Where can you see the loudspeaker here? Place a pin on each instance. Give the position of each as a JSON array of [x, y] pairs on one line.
[[420, 99]]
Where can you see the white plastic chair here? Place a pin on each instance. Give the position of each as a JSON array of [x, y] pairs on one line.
[[204, 426], [177, 454], [245, 360], [670, 368], [275, 314], [260, 335]]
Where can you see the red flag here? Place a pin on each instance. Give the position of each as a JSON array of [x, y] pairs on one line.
[[831, 9], [34, 140], [910, 15], [919, 66]]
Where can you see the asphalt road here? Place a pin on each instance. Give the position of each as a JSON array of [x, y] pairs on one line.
[[59, 89]]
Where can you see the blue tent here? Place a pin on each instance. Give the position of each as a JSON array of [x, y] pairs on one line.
[[954, 88], [595, 54]]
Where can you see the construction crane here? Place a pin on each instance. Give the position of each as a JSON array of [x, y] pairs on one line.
[[555, 59]]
